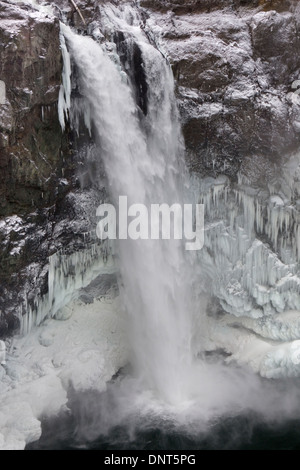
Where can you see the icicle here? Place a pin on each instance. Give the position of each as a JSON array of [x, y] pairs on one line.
[[64, 99], [231, 250], [66, 275]]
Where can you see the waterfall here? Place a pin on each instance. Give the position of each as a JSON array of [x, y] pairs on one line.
[[201, 327], [142, 154], [130, 111]]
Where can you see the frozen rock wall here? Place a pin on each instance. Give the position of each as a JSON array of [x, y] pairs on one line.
[[236, 65]]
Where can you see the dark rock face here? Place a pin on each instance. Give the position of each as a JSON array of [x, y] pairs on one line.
[[234, 69], [131, 58], [180, 7], [42, 207], [234, 62], [32, 149], [31, 139]]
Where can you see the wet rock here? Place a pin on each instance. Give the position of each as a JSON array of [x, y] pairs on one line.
[[31, 141], [234, 69], [37, 168]]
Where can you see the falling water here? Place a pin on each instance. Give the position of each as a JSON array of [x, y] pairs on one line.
[[143, 162], [139, 142], [175, 385]]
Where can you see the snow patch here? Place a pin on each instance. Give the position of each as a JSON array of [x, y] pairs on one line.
[[84, 352]]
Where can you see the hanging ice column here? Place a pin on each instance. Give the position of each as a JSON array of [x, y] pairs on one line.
[[251, 246], [250, 263], [64, 99], [68, 273]]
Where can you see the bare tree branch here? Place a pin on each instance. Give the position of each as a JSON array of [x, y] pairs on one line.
[[78, 11]]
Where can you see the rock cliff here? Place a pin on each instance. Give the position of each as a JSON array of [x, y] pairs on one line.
[[235, 63], [36, 158]]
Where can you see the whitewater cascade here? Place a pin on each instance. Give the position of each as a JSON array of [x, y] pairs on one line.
[[142, 161], [191, 318], [164, 287], [121, 88]]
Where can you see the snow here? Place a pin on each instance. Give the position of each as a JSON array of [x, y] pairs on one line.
[[242, 339], [2, 92], [83, 351], [40, 6]]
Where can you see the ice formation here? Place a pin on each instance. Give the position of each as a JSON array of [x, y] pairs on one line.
[[82, 351], [251, 260], [2, 353], [252, 236], [251, 248], [64, 100], [67, 274]]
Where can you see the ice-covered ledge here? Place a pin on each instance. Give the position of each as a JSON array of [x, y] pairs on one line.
[[250, 261], [83, 351], [67, 274]]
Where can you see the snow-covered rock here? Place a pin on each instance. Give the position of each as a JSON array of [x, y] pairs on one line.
[[82, 352], [234, 65]]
